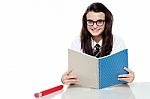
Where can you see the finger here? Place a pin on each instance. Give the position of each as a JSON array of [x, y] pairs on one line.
[[126, 79], [72, 81], [125, 76], [127, 69], [70, 77], [68, 72]]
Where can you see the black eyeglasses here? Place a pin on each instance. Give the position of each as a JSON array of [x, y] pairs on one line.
[[98, 22]]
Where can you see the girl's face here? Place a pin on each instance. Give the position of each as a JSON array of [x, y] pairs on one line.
[[95, 23]]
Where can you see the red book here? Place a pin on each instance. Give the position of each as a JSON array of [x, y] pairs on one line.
[[48, 91]]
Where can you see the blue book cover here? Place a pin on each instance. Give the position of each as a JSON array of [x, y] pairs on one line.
[[110, 67], [98, 72]]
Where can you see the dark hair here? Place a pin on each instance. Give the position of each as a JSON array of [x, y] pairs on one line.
[[106, 35]]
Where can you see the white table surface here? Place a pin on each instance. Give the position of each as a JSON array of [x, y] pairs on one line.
[[130, 91]]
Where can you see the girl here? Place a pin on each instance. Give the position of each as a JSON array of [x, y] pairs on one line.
[[96, 39]]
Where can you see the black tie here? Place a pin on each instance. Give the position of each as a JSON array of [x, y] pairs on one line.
[[96, 50]]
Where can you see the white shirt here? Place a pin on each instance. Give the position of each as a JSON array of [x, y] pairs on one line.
[[118, 44]]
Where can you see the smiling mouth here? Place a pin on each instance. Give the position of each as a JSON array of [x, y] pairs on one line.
[[95, 29]]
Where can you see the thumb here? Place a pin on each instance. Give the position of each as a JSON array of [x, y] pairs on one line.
[[68, 72]]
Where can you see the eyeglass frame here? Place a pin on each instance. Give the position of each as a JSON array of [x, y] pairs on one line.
[[102, 22]]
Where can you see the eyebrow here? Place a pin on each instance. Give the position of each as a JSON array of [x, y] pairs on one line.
[[95, 20]]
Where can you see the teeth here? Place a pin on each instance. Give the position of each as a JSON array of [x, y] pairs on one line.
[[95, 30]]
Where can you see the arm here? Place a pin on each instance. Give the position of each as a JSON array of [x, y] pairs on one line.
[[118, 45]]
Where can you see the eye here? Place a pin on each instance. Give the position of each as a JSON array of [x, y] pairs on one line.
[[90, 22], [100, 22]]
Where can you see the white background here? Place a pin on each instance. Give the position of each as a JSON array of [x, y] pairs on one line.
[[35, 35]]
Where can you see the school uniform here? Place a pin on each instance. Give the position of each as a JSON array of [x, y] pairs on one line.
[[118, 44]]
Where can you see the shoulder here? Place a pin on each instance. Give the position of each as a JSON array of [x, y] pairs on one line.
[[76, 39], [76, 43], [118, 44], [117, 38]]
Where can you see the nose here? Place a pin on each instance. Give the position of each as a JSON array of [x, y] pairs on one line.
[[94, 25]]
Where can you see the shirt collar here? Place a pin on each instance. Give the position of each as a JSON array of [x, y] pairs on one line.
[[94, 43]]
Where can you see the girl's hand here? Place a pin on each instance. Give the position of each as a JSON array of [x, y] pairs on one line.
[[69, 78], [127, 77]]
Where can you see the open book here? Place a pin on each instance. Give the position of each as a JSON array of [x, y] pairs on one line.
[[98, 72]]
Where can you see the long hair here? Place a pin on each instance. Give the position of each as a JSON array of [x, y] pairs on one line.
[[107, 36]]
